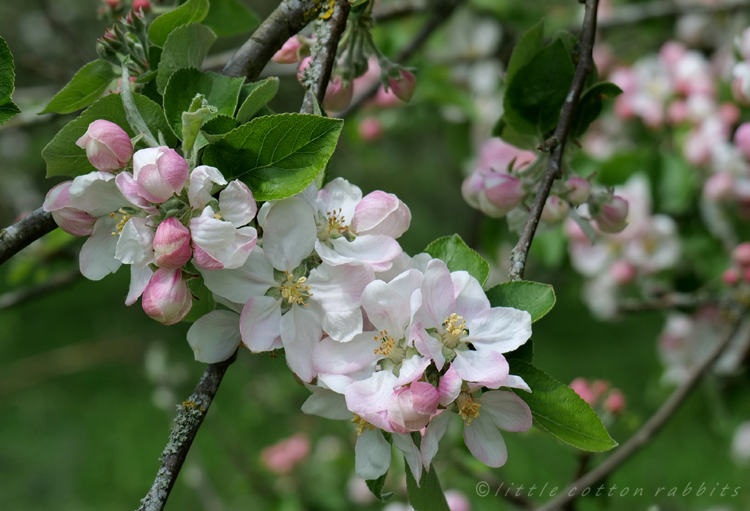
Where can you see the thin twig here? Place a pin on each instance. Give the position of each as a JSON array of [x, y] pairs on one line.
[[27, 230], [439, 16], [668, 301], [399, 10], [648, 430], [286, 20], [557, 142], [638, 13], [190, 415], [17, 296], [327, 46]]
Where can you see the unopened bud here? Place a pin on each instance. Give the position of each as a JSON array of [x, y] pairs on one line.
[[578, 190], [404, 85], [730, 277], [582, 388], [167, 298], [741, 254], [338, 95], [172, 244], [623, 272], [370, 129], [719, 187], [141, 5], [615, 402], [555, 210], [613, 215], [289, 52], [160, 173], [107, 146]]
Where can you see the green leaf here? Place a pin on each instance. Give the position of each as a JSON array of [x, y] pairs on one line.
[[220, 91], [230, 17], [537, 91], [8, 109], [590, 106], [278, 155], [535, 298], [678, 184], [458, 256], [203, 300], [527, 46], [217, 127], [376, 487], [83, 89], [186, 46], [428, 496], [558, 410], [189, 12], [524, 353], [65, 158], [502, 130], [256, 96]]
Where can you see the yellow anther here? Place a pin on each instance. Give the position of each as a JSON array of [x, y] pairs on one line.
[[455, 325], [386, 343], [217, 216], [121, 220], [336, 222], [295, 291], [361, 424], [467, 407]]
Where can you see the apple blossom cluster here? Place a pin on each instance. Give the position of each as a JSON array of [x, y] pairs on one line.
[[503, 185], [393, 343], [599, 395]]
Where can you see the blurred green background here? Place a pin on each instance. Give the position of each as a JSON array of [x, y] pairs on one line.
[[88, 385]]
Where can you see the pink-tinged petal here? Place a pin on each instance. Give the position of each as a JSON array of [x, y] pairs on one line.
[[173, 169], [500, 329], [405, 444], [427, 345], [369, 398], [97, 259], [128, 186], [488, 367], [172, 244], [388, 305], [58, 197], [339, 382], [328, 404], [425, 397], [449, 386], [114, 138], [209, 233], [236, 204], [381, 213], [236, 254], [515, 382], [167, 298], [97, 194], [376, 250], [152, 186], [485, 441], [205, 261], [135, 243], [260, 324], [215, 337], [289, 233], [139, 278], [343, 325], [470, 298], [301, 331], [335, 357], [412, 369], [506, 410], [73, 221], [432, 435], [438, 298], [339, 194], [339, 288], [144, 157], [202, 179], [372, 455], [250, 280]]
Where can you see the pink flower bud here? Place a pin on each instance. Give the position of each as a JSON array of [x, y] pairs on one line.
[[613, 215], [107, 146], [719, 187], [742, 139], [574, 231], [283, 456], [370, 129], [172, 244], [671, 53], [622, 271], [304, 64], [582, 388], [677, 112], [141, 5], [112, 4], [338, 95], [729, 113], [403, 86], [741, 254], [385, 98], [579, 190], [493, 193], [457, 501], [615, 402], [71, 220], [730, 277], [555, 210], [167, 298], [746, 274], [160, 173], [381, 213], [410, 408], [288, 54], [599, 388]]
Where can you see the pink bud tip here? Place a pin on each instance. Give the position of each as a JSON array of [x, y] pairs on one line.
[[370, 129], [283, 456], [615, 402], [730, 277], [141, 5], [107, 145], [555, 210], [338, 95], [403, 86], [579, 190], [623, 272], [613, 215], [167, 298], [741, 254], [582, 388], [289, 52], [112, 4], [172, 244]]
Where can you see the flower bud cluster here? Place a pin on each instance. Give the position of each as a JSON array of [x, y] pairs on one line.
[[599, 395]]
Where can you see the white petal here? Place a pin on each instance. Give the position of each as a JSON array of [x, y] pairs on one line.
[[388, 305], [97, 259], [143, 157], [328, 404], [412, 369], [515, 382], [237, 204], [209, 233], [372, 455], [202, 179], [343, 325], [339, 288], [345, 357], [301, 331], [250, 280], [485, 441], [404, 443], [369, 398], [486, 367], [289, 234], [470, 298], [507, 411], [136, 243], [376, 250], [97, 194], [427, 345], [339, 193], [139, 278], [433, 433], [500, 329], [260, 324], [236, 253], [438, 298], [215, 337]]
